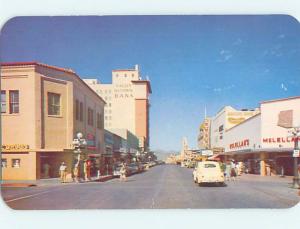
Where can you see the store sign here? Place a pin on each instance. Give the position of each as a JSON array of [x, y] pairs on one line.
[[239, 144], [14, 147], [280, 139], [91, 142], [296, 153], [123, 91], [207, 153]]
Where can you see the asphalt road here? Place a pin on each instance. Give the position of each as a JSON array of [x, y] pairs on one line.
[[164, 186]]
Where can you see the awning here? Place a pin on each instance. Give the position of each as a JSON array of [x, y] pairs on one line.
[[94, 155], [215, 157]]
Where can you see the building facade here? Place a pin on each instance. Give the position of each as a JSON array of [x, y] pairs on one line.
[[43, 107], [225, 119], [261, 143], [127, 103], [204, 134]]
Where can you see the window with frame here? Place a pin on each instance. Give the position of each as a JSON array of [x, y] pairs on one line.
[[81, 112], [4, 163], [53, 103], [14, 102], [16, 163], [3, 101], [99, 121], [77, 109], [90, 117]]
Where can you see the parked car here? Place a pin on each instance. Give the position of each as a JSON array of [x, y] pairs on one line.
[[116, 171], [208, 172], [132, 168]]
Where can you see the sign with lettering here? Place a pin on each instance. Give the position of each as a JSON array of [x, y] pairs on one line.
[[279, 139], [239, 144], [207, 153], [123, 91], [14, 147]]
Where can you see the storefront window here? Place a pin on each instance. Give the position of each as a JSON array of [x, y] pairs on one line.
[[16, 163], [4, 163]]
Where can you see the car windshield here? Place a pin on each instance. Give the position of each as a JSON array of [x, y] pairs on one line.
[[210, 166]]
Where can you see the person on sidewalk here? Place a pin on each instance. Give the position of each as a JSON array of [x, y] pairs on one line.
[[85, 170], [233, 170], [63, 172], [88, 169], [76, 171], [228, 171], [123, 172]]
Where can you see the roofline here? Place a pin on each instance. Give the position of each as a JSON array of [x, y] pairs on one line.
[[120, 70], [278, 100], [144, 81], [34, 63], [7, 64]]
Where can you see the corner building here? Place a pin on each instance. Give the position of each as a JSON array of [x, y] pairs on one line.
[[260, 143], [42, 109], [127, 103]]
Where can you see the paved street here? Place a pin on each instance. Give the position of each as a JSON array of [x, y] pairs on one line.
[[164, 186]]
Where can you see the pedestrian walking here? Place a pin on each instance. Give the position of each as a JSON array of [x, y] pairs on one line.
[[85, 170], [88, 169], [63, 172], [76, 172], [123, 172], [233, 173], [228, 171]]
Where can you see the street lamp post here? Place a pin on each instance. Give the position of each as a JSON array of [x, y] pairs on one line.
[[78, 144], [296, 134]]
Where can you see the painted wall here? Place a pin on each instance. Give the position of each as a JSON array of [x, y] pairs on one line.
[[277, 136], [244, 136]]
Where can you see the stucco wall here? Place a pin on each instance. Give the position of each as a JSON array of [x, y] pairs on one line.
[[270, 129], [244, 136]]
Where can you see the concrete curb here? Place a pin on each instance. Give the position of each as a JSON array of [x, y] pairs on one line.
[[18, 185]]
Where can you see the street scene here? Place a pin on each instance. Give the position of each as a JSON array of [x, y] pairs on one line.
[[163, 186], [150, 112]]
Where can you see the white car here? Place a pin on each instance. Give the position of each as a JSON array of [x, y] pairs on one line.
[[208, 172]]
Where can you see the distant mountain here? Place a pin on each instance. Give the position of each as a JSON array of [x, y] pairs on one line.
[[163, 154]]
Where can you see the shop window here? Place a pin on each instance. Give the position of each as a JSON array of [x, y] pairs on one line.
[[53, 104], [3, 101], [14, 102], [16, 163], [4, 163], [99, 121]]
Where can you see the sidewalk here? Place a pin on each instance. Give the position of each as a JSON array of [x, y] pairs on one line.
[[48, 182], [257, 177]]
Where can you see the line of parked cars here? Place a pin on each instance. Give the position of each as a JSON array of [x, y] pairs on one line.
[[134, 168]]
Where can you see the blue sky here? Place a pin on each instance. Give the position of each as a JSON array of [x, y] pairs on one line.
[[192, 61]]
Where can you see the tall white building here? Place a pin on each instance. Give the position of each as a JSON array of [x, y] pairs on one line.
[[127, 103]]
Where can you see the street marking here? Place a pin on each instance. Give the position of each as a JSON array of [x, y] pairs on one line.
[[25, 197]]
